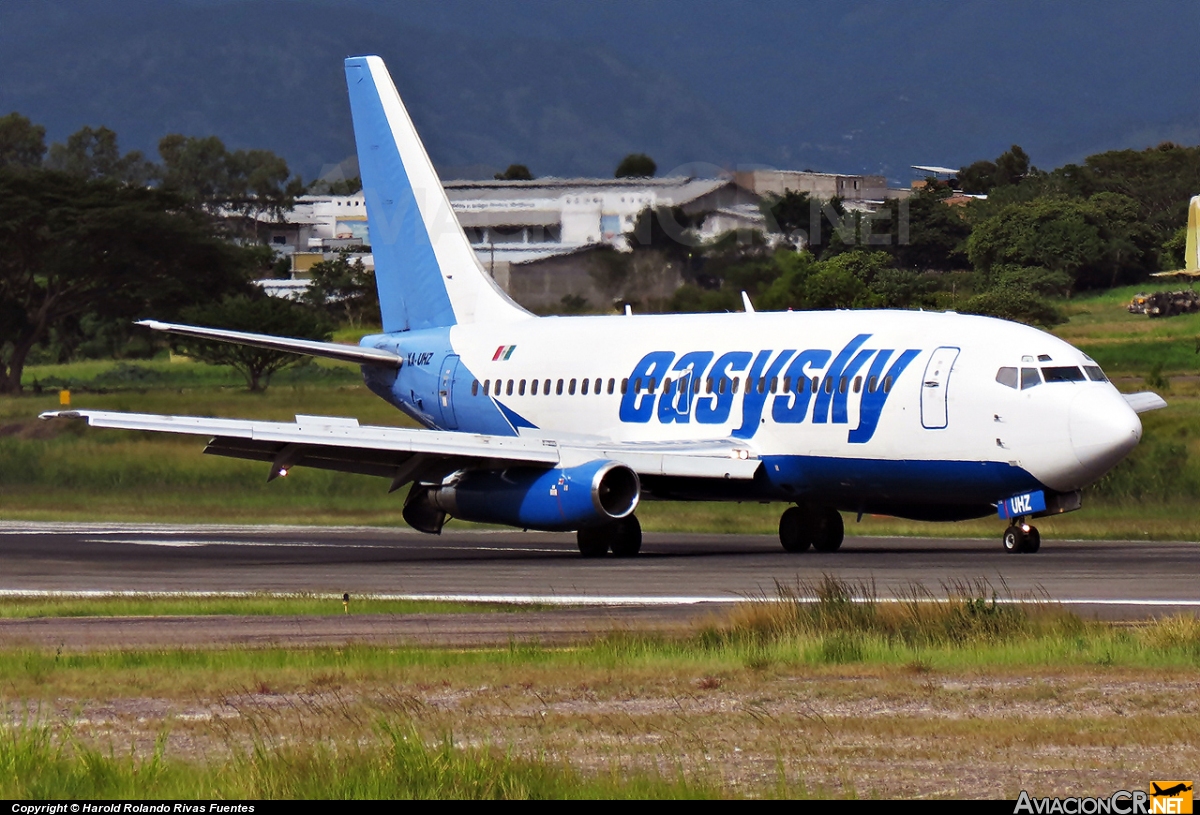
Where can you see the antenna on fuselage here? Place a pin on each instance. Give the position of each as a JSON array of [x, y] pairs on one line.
[[746, 302]]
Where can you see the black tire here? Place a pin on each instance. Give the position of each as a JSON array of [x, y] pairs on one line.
[[794, 530], [593, 541], [828, 530], [1014, 540], [625, 536], [1033, 540]]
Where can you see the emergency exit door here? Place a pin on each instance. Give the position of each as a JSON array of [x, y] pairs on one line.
[[446, 391], [935, 386]]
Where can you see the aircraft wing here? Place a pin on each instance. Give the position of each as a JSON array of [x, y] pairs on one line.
[[406, 454], [1144, 401]]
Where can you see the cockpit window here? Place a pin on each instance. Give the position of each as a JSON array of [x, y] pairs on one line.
[[1007, 377], [1030, 378], [1062, 373], [1094, 373]]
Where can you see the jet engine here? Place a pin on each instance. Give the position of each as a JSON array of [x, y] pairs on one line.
[[553, 500]]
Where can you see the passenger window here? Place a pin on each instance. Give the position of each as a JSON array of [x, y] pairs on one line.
[[887, 384], [599, 383], [1094, 373], [872, 383], [708, 387], [1030, 378], [558, 389], [1007, 377], [816, 385], [842, 385], [486, 382], [533, 386], [475, 387], [736, 382], [611, 384], [586, 382], [509, 389], [857, 384], [774, 384], [571, 388], [624, 385], [637, 385], [695, 384], [787, 383], [721, 384], [829, 384], [667, 385], [546, 388], [521, 388]]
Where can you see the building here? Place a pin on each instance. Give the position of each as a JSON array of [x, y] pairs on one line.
[[518, 227], [863, 192]]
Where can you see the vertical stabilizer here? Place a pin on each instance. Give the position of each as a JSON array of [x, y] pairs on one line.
[[425, 269], [1191, 255]]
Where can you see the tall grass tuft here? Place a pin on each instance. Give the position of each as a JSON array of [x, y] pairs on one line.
[[848, 622]]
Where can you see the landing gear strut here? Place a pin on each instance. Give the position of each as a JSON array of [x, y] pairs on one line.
[[818, 527], [623, 537], [1021, 537]]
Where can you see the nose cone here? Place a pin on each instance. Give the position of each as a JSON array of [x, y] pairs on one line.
[[1103, 430]]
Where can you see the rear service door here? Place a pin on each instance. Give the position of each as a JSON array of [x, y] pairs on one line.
[[935, 388], [446, 391]]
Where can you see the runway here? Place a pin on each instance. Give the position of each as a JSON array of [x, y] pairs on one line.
[[1106, 578]]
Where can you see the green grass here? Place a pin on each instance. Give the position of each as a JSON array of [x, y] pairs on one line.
[[411, 722], [146, 605], [400, 762]]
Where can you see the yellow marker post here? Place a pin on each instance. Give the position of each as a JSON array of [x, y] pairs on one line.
[[346, 602], [1191, 261], [64, 398]]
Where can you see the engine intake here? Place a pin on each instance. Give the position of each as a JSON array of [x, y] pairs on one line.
[[554, 500]]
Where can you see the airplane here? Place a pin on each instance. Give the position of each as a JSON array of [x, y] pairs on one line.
[[567, 423], [1169, 792]]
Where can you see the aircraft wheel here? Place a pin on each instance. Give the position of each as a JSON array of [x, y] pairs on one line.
[[794, 530], [827, 530], [1014, 540], [625, 536], [593, 541], [1033, 540]]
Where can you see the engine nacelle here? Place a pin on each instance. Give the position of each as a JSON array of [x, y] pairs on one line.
[[554, 500]]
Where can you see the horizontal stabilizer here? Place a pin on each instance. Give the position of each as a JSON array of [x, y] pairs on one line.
[[1144, 401], [312, 348]]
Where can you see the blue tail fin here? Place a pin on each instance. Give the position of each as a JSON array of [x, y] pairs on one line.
[[425, 269]]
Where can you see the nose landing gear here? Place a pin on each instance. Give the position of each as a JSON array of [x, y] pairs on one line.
[[805, 526], [1022, 537]]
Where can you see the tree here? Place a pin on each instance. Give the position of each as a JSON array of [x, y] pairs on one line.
[[74, 247], [1012, 300], [344, 289], [256, 313], [515, 172], [636, 165], [93, 154], [1060, 234], [924, 233], [22, 143], [1012, 166], [247, 182]]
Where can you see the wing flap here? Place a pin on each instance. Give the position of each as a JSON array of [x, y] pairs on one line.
[[336, 443]]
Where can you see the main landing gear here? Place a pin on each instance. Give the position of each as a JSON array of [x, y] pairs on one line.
[[805, 526], [623, 537], [1021, 537]]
